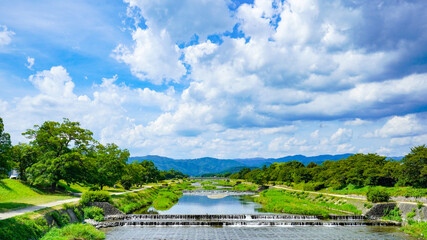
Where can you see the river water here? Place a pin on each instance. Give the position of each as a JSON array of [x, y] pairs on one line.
[[190, 205]]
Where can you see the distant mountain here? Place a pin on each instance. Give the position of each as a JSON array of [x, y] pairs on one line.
[[199, 166]]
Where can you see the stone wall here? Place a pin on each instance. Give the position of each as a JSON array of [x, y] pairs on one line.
[[377, 211], [107, 207]]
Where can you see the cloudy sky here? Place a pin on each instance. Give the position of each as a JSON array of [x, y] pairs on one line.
[[220, 78]]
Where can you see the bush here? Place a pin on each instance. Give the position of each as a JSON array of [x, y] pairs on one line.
[[377, 195], [22, 227], [60, 219], [94, 213], [78, 214], [313, 186], [74, 231], [393, 214], [95, 196]]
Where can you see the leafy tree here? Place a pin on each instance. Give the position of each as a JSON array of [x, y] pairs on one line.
[[24, 156], [5, 150], [414, 167], [108, 165], [132, 175], [65, 147], [149, 173]]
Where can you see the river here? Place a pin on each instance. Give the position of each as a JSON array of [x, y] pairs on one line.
[[306, 228]]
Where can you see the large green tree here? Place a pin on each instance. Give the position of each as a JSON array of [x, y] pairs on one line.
[[108, 165], [5, 150], [65, 149]]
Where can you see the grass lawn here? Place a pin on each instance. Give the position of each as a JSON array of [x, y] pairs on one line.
[[16, 195]]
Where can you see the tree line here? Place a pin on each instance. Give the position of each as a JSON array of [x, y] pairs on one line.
[[65, 151], [359, 169]]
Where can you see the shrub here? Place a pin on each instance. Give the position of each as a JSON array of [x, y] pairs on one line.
[[78, 214], [95, 196], [94, 213], [393, 214], [22, 227], [74, 231], [60, 219], [313, 186], [377, 195]]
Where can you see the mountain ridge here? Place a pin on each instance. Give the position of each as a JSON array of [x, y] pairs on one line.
[[199, 166]]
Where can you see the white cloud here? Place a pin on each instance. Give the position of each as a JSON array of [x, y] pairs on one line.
[[400, 127], [315, 134], [30, 63], [154, 57], [5, 35], [185, 18], [342, 135], [356, 122]]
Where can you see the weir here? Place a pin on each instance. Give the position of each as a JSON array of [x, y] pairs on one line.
[[258, 220]]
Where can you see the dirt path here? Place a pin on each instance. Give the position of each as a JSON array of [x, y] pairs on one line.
[[52, 204], [356, 197]]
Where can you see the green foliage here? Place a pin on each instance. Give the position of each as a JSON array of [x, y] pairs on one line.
[[24, 156], [94, 213], [209, 187], [74, 231], [108, 165], [416, 229], [138, 173], [95, 196], [245, 187], [64, 147], [420, 205], [313, 186], [411, 215], [377, 195], [5, 151], [392, 214], [281, 201], [22, 227], [60, 219], [414, 167], [166, 199], [133, 201], [67, 206], [78, 213], [367, 205]]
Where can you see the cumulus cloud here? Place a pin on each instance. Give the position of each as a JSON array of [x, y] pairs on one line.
[[5, 35], [401, 126], [154, 57]]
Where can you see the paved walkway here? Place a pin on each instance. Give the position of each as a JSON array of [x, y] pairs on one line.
[[52, 204]]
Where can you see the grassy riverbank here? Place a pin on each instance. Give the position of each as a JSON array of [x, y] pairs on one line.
[[282, 201], [15, 194], [416, 229], [246, 187], [74, 231], [392, 191]]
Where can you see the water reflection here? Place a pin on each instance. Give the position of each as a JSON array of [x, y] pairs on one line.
[[205, 205]]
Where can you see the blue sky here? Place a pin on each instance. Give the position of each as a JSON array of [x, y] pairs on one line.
[[220, 78]]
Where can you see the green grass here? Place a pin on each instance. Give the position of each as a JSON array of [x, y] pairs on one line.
[[14, 194], [133, 201], [281, 201], [416, 229], [166, 199], [22, 227], [74, 231], [81, 188], [246, 187]]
